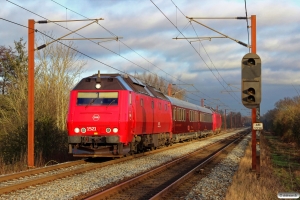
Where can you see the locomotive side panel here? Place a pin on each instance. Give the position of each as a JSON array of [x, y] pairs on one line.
[[162, 116], [151, 115]]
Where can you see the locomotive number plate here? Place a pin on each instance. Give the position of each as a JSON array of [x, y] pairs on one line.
[[91, 129]]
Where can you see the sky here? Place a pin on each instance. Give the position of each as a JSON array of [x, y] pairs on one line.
[[206, 69]]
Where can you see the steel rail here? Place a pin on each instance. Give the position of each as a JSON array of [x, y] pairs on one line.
[[130, 183], [181, 180], [19, 186], [37, 181], [39, 170]]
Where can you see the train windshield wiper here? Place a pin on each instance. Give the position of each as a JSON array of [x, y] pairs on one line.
[[110, 103], [91, 102]]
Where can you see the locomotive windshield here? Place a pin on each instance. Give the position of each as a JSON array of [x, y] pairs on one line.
[[97, 98]]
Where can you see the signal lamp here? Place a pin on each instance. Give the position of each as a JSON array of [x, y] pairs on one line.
[[251, 80], [76, 130]]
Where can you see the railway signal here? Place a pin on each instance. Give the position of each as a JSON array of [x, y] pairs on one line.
[[251, 80]]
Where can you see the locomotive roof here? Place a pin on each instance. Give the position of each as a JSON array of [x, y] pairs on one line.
[[185, 104], [119, 82], [126, 82]]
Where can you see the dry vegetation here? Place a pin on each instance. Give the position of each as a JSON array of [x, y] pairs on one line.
[[247, 185], [57, 69]]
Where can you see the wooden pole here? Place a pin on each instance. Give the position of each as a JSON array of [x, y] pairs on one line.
[[31, 93]]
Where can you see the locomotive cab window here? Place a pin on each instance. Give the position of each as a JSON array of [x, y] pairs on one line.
[[97, 98]]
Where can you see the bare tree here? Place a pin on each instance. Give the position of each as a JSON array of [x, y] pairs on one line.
[[58, 68], [160, 84]]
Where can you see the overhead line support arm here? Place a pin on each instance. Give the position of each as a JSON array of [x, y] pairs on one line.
[[242, 43]]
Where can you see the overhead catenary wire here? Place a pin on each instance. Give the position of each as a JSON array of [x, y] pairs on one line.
[[204, 47], [247, 23], [86, 39], [121, 42], [100, 44], [103, 47], [36, 30], [191, 45], [132, 49]]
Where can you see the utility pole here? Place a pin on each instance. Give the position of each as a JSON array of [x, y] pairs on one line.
[[30, 151]]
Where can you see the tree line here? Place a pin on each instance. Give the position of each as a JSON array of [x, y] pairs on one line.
[[284, 119], [57, 69]]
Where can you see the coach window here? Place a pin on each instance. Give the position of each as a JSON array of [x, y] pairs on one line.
[[159, 106], [166, 107], [129, 98], [152, 104], [180, 115], [174, 114], [194, 112], [142, 102], [194, 116], [201, 117]]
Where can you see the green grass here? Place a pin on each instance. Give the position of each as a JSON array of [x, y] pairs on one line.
[[281, 160], [285, 160]]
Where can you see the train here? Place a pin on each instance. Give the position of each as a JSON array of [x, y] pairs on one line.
[[114, 115]]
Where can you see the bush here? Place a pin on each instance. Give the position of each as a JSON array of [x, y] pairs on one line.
[[287, 136], [49, 141]]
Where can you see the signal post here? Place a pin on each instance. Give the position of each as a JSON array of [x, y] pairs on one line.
[[251, 93]]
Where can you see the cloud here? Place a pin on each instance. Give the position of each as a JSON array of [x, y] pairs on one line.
[[209, 65]]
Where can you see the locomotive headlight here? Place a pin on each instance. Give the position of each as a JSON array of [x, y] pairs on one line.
[[98, 85], [83, 130], [115, 130], [76, 130], [108, 130]]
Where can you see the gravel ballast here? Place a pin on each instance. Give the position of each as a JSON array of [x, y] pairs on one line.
[[71, 187], [216, 183]]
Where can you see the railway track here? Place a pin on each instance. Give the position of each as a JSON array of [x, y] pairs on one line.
[[20, 181], [160, 181]]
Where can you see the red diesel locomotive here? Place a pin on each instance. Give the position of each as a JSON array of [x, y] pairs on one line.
[[112, 115]]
